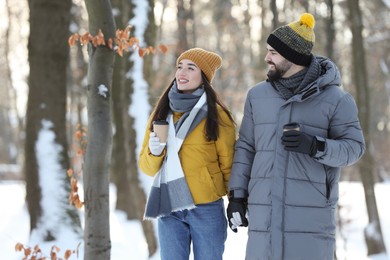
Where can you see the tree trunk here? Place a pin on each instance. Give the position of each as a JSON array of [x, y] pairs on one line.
[[330, 30], [261, 65], [275, 12], [373, 232], [120, 172], [130, 196], [150, 40], [98, 154], [46, 111], [182, 18], [137, 192], [9, 145], [77, 92]]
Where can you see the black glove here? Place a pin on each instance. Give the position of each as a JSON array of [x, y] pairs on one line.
[[236, 213], [300, 142]]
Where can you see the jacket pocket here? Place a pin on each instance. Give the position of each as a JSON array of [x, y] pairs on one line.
[[202, 185], [306, 174], [217, 178]]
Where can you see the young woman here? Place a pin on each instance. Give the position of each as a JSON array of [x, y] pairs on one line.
[[192, 169]]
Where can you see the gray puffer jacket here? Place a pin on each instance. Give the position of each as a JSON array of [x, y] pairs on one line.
[[292, 197]]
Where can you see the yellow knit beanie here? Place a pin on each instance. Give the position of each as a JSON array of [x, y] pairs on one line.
[[295, 40], [207, 61]]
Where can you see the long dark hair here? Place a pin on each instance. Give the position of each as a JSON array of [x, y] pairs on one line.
[[162, 108]]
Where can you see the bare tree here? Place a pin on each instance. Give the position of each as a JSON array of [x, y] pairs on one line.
[[78, 68], [9, 144], [373, 232], [131, 197], [98, 153], [182, 20], [121, 85], [46, 110], [261, 65], [330, 29], [137, 193], [150, 40], [275, 12]]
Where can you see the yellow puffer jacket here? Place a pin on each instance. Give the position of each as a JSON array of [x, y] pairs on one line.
[[206, 164]]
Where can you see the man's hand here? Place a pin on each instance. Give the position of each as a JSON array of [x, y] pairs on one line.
[[236, 213], [300, 142]]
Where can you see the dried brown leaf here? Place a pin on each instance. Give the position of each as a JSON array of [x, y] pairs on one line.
[[152, 49], [100, 38], [163, 48], [85, 38], [141, 52], [69, 172], [37, 250], [72, 39], [119, 51], [67, 254], [78, 203], [78, 134], [55, 248], [95, 42], [27, 251], [19, 247], [73, 183], [110, 43], [133, 41]]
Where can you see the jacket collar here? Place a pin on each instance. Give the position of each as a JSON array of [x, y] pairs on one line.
[[330, 76]]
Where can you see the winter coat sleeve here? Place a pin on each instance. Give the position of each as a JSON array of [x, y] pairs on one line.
[[147, 162], [244, 153], [225, 145], [345, 143]]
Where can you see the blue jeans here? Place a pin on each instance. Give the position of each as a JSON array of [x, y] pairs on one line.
[[205, 226]]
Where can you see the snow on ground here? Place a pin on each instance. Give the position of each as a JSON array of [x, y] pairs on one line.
[[128, 241]]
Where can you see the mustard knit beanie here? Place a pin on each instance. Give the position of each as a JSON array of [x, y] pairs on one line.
[[207, 61], [295, 40]]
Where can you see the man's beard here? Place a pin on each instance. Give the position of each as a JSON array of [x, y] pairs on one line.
[[279, 70]]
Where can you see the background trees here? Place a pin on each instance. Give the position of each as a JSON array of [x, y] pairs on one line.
[[45, 170], [375, 244], [236, 29]]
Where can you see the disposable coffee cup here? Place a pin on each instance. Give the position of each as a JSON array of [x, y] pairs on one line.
[[291, 126], [161, 129]]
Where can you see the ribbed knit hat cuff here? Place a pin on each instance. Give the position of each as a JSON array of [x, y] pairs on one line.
[[208, 62], [287, 52]]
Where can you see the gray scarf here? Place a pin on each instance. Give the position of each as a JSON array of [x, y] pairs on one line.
[[183, 103], [170, 191], [288, 87]]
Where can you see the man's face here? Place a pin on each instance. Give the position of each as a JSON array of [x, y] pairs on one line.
[[278, 66]]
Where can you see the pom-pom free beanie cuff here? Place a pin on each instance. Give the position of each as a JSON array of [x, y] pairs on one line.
[[289, 53], [209, 62]]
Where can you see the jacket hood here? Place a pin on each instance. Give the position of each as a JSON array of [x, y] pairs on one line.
[[330, 75]]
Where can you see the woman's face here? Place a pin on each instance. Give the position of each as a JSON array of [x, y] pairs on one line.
[[188, 76]]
